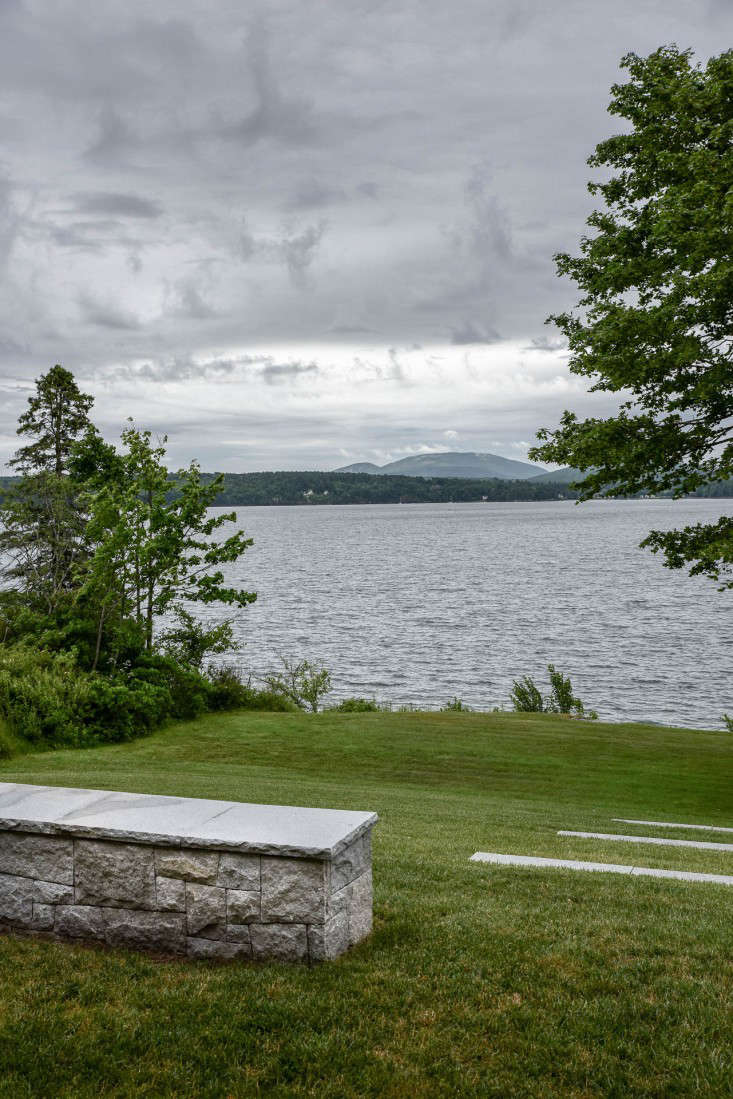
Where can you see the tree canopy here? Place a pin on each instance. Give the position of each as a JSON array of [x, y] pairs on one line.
[[654, 322]]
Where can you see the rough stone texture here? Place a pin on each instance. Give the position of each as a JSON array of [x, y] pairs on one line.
[[355, 902], [16, 900], [117, 875], [170, 894], [285, 942], [351, 862], [238, 933], [208, 948], [360, 908], [80, 921], [293, 890], [47, 857], [146, 930], [293, 884], [43, 917], [44, 892], [243, 906], [196, 866], [51, 892], [206, 911], [330, 939], [239, 871]]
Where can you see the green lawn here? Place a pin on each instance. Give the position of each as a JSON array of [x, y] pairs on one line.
[[478, 980]]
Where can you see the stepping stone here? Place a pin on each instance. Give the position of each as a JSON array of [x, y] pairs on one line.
[[670, 824], [600, 867], [703, 845]]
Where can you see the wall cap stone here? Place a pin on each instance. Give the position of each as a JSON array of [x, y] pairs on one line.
[[286, 830]]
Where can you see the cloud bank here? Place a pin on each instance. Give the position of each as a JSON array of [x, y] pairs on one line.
[[302, 233]]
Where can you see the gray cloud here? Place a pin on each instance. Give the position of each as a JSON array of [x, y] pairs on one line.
[[199, 201], [107, 314], [283, 372], [117, 205], [468, 333]]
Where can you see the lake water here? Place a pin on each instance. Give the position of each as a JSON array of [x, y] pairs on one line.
[[419, 603]]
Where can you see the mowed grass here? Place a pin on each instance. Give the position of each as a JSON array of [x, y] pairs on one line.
[[477, 981]]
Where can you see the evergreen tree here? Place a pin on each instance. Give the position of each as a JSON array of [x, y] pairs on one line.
[[41, 521], [57, 416]]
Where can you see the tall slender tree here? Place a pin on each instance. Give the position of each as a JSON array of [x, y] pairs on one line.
[[41, 520], [57, 416]]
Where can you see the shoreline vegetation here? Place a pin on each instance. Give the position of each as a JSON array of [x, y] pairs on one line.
[[312, 488]]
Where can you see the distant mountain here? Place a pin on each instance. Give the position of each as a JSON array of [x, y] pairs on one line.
[[465, 464], [560, 476], [360, 467]]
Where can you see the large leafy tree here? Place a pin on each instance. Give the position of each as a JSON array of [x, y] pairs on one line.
[[654, 322]]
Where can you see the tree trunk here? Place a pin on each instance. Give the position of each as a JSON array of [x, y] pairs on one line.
[[99, 637]]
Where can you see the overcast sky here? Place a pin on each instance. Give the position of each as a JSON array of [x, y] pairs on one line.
[[302, 233]]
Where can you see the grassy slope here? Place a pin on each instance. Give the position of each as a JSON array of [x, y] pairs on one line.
[[477, 981]]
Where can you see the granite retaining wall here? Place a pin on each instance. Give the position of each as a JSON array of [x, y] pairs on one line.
[[198, 902]]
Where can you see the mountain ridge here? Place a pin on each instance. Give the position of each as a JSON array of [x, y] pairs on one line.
[[455, 463]]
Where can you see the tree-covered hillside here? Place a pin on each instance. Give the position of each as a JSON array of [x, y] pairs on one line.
[[314, 487]]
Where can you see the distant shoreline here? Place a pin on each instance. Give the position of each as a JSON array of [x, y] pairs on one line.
[[312, 488]]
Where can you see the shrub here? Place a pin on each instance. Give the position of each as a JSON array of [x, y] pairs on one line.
[[357, 706], [527, 698], [304, 683], [47, 699], [228, 692], [728, 722], [455, 706]]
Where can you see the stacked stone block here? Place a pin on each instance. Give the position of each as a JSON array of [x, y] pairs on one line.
[[201, 903]]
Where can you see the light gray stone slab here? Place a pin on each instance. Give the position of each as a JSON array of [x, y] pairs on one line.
[[293, 890], [672, 824], [600, 867], [206, 910], [42, 892], [278, 941], [360, 908], [33, 856], [244, 906], [160, 931], [119, 875], [98, 814], [198, 866], [329, 940], [221, 951], [79, 922], [16, 900], [239, 871], [238, 933], [51, 892], [351, 862], [170, 894], [703, 845]]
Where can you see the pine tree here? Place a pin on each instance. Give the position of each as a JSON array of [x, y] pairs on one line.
[[41, 520]]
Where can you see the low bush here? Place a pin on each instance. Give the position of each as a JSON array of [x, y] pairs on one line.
[[46, 699], [304, 683], [455, 706], [356, 706], [229, 692], [526, 697]]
